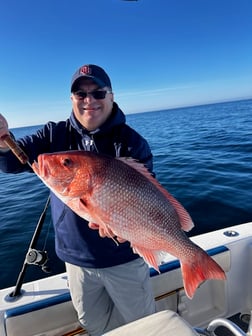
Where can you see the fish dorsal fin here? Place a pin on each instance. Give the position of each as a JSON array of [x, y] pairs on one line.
[[184, 218]]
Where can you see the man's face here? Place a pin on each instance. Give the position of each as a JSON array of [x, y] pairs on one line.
[[89, 111]]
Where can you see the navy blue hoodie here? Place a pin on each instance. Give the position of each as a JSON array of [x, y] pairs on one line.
[[75, 242]]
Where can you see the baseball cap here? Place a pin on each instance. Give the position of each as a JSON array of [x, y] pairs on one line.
[[93, 72]]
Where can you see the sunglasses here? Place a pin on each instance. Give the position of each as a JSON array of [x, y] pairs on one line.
[[98, 94]]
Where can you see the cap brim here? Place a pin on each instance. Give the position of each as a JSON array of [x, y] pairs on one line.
[[94, 79]]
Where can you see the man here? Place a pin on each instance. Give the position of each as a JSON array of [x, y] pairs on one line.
[[109, 284]]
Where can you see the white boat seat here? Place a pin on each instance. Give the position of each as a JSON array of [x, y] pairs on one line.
[[164, 323]]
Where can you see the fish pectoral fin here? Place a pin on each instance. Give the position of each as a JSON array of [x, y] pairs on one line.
[[80, 208], [83, 204], [150, 256]]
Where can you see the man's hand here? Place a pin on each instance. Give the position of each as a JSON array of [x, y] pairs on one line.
[[109, 233], [3, 131]]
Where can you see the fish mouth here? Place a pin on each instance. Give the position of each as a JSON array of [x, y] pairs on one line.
[[40, 168], [58, 184], [35, 167]]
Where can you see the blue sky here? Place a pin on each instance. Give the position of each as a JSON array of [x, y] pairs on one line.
[[159, 53]]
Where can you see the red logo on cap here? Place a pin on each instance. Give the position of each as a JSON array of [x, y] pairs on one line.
[[86, 70]]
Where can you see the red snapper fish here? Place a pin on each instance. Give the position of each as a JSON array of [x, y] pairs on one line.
[[121, 196]]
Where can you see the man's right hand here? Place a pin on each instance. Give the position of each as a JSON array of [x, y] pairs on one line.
[[3, 131], [105, 233]]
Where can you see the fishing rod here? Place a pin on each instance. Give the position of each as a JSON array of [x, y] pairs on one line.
[[33, 256], [16, 150]]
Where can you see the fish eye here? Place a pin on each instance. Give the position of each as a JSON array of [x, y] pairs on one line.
[[66, 162]]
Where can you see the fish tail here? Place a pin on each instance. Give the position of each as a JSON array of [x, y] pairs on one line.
[[202, 268]]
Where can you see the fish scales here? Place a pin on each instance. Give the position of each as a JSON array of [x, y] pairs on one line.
[[131, 199]]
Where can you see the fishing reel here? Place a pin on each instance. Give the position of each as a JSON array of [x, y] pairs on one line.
[[39, 258]]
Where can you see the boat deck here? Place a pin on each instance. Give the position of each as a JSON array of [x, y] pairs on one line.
[[45, 307]]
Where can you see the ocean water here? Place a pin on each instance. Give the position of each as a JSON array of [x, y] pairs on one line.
[[202, 155]]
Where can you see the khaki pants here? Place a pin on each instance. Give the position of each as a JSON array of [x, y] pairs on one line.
[[106, 298]]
